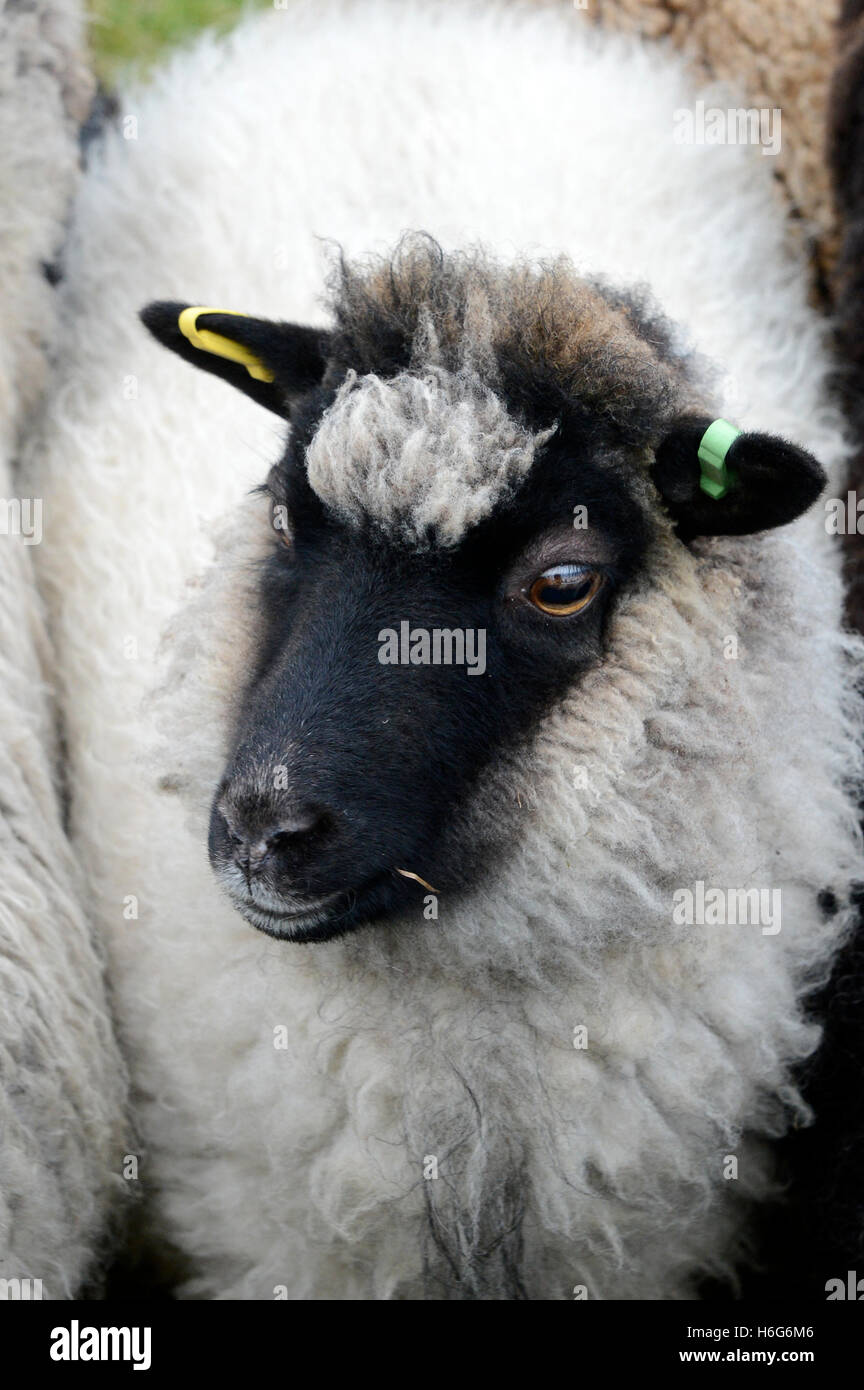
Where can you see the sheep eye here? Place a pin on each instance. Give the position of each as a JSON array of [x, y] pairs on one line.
[[565, 590]]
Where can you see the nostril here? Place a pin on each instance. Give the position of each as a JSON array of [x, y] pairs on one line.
[[298, 825], [253, 845]]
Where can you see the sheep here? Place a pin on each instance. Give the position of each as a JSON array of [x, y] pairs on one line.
[[62, 1081], [504, 1065]]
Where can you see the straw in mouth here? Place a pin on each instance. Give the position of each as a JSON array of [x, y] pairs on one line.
[[406, 873]]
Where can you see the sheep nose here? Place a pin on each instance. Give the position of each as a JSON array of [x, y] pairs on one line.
[[253, 846]]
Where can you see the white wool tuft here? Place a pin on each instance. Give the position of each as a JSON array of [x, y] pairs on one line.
[[426, 456], [305, 1168]]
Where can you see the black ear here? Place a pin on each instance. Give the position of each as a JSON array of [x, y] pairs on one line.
[[274, 363], [717, 481]]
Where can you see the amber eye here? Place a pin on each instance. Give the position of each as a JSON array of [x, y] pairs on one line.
[[565, 590]]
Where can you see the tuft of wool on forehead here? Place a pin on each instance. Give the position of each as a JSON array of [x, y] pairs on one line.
[[424, 456]]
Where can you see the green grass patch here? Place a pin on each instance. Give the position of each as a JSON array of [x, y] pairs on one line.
[[136, 33]]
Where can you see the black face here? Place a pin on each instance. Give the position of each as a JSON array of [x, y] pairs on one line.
[[349, 768]]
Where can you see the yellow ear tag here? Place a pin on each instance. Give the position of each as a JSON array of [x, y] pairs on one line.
[[219, 345]]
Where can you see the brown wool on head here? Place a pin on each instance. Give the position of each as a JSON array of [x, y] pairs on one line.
[[419, 437], [587, 337]]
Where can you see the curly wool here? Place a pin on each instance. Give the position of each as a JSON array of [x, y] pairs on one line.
[[425, 456]]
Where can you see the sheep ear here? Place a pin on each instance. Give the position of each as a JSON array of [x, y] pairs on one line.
[[274, 363], [717, 481]]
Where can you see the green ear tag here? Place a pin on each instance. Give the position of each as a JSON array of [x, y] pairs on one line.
[[714, 445]]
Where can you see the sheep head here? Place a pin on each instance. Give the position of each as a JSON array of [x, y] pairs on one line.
[[478, 461]]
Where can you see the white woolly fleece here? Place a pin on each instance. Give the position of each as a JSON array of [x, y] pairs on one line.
[[299, 1170], [61, 1078]]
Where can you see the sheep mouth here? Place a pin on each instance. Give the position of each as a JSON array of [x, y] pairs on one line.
[[328, 917], [294, 924]]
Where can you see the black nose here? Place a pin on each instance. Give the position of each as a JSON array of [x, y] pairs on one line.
[[253, 844]]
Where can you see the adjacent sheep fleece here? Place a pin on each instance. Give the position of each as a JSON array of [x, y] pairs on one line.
[[770, 53], [61, 1078], [298, 1170]]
